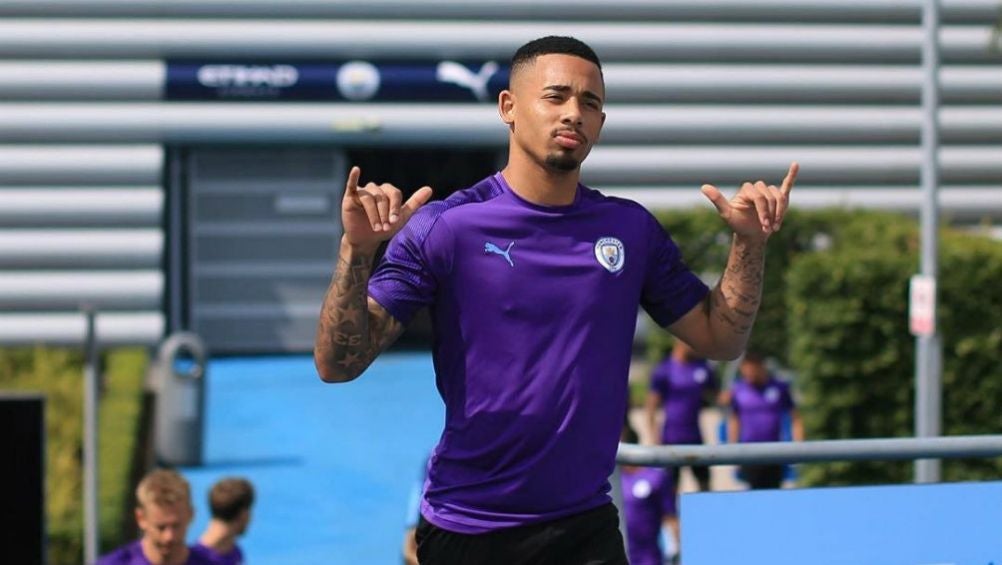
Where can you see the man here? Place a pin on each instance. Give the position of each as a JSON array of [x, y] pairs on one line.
[[759, 403], [683, 383], [648, 503], [163, 512], [230, 502], [533, 282]]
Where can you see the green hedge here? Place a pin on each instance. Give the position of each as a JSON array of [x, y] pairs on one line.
[[855, 358], [834, 310], [58, 374]]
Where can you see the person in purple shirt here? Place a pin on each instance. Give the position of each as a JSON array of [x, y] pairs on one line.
[[683, 383], [533, 282], [648, 501], [163, 513], [759, 402], [230, 502]]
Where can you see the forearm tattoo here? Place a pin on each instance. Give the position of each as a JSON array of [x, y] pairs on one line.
[[734, 302], [350, 333]]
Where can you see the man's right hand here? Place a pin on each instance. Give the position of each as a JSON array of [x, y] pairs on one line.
[[374, 213]]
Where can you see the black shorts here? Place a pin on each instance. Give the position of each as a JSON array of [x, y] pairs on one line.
[[700, 472], [588, 538], [763, 476]]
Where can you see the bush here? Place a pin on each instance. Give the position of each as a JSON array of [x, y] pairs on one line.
[[834, 309], [855, 358], [58, 374]]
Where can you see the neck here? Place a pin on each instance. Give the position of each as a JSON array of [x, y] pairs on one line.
[[540, 184], [153, 556], [219, 537]]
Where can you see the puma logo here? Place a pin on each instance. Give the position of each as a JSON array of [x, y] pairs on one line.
[[491, 248], [450, 71]]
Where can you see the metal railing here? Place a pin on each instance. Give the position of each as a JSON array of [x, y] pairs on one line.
[[883, 449]]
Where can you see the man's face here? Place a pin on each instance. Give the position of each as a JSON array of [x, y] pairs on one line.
[[164, 530], [754, 372], [554, 108]]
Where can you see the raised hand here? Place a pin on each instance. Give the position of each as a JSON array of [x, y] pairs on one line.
[[757, 209], [374, 213]]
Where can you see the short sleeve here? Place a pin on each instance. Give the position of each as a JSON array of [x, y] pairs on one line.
[[786, 400], [670, 289], [659, 379], [408, 276], [711, 382]]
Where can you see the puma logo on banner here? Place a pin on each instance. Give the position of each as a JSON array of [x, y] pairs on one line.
[[455, 73]]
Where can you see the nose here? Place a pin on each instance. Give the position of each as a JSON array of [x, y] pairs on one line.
[[572, 112]]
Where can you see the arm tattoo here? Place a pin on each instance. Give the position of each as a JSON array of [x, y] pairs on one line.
[[733, 303], [352, 329]]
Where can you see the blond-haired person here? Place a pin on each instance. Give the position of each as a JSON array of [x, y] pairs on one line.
[[163, 513]]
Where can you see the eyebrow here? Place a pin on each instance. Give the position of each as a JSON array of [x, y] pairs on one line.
[[563, 88]]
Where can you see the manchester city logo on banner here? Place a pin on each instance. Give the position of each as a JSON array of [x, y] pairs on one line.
[[610, 254], [358, 80]]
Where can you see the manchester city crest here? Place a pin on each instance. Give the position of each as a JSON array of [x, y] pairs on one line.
[[610, 254]]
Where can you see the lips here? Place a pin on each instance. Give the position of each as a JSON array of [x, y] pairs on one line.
[[568, 139]]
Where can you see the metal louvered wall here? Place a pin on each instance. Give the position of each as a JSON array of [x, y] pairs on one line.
[[698, 91]]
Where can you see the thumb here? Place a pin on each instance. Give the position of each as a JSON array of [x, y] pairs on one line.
[[417, 200], [717, 198]]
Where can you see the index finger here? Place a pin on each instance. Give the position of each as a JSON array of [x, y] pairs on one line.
[[791, 177], [351, 186]]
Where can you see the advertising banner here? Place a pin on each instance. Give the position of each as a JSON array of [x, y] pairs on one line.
[[347, 81]]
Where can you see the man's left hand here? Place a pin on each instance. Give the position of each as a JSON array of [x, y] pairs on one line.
[[757, 209]]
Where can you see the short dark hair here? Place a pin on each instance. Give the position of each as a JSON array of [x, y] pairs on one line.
[[754, 356], [229, 497], [552, 45]]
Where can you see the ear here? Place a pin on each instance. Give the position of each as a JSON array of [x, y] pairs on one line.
[[140, 519], [506, 107]]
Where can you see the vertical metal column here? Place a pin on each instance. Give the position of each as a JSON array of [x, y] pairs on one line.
[[928, 352], [91, 533]]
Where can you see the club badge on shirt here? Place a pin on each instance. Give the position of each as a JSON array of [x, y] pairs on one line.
[[699, 375], [642, 489], [610, 254], [772, 395]]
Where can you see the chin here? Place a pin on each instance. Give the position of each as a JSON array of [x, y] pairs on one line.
[[563, 163]]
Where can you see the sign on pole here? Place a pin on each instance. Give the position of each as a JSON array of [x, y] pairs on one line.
[[922, 305]]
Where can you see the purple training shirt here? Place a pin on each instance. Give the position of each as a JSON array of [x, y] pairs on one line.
[[233, 557], [760, 410], [681, 387], [132, 554], [534, 310], [648, 497]]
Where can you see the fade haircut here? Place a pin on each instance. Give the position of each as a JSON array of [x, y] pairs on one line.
[[229, 497], [163, 488], [552, 45]]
